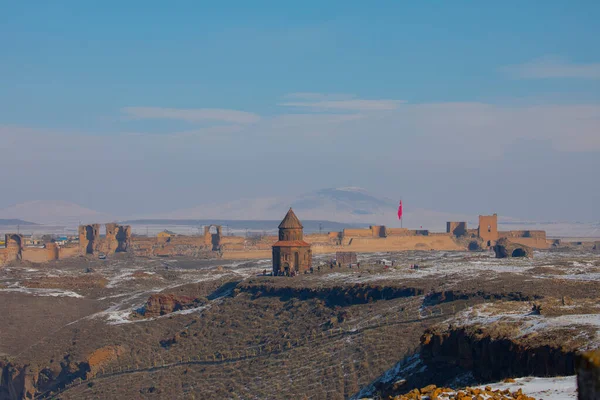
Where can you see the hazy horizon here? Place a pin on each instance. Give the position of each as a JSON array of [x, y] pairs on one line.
[[456, 107]]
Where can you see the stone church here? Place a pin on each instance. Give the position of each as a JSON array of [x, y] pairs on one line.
[[291, 253]]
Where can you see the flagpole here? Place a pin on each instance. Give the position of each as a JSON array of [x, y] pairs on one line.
[[402, 217]]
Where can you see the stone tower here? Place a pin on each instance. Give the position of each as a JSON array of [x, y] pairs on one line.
[[291, 252]]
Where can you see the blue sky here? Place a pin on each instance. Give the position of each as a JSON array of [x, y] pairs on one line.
[[445, 90]]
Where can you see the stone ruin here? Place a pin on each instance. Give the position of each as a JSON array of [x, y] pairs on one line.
[[505, 248], [212, 236], [346, 257], [88, 238], [117, 240], [14, 242]]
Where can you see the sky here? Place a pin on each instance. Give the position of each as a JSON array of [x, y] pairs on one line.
[[143, 107]]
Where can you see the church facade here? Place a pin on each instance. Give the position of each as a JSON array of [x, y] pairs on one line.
[[291, 254]]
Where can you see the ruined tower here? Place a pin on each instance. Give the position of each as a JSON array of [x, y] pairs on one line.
[[88, 238], [488, 229], [14, 243], [118, 237], [291, 252]]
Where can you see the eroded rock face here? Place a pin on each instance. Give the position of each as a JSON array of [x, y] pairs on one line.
[[492, 359], [588, 375], [161, 304], [23, 381], [17, 381], [505, 248], [102, 357]]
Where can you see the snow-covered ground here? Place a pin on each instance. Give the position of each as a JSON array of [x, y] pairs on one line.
[[519, 315], [558, 265], [41, 291], [556, 388]]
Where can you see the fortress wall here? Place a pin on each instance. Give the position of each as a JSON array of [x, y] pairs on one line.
[[457, 228], [523, 234], [365, 232], [324, 239], [233, 246], [378, 230], [400, 232], [5, 256], [535, 243], [232, 239], [247, 254], [36, 255], [472, 232], [67, 252], [188, 241], [317, 237], [404, 243]]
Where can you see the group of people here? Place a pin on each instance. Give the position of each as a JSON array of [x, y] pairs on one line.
[[332, 265]]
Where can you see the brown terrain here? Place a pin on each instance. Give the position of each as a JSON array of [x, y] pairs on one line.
[[180, 327]]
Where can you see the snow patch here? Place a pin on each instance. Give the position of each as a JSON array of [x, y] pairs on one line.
[[43, 292]]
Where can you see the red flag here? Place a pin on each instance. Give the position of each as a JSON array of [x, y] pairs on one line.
[[400, 210]]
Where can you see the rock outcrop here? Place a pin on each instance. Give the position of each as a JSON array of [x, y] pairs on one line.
[[161, 304], [102, 357], [493, 358], [505, 248], [17, 381]]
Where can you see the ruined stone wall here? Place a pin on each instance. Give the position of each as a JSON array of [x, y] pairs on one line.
[[36, 255], [234, 243], [240, 239], [532, 242], [68, 251], [4, 256], [118, 238], [473, 232], [456, 228], [378, 230], [439, 234], [346, 257], [89, 236], [399, 243], [321, 239], [192, 246], [536, 234]]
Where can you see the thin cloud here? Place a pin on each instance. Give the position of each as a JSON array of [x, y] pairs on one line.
[[313, 96], [347, 105], [192, 115], [551, 67]]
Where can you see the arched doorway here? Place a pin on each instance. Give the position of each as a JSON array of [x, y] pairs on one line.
[[215, 236], [286, 269], [474, 246], [90, 237], [296, 261], [518, 252], [121, 237], [15, 242]]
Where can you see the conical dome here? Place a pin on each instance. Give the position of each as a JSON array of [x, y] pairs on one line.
[[290, 221]]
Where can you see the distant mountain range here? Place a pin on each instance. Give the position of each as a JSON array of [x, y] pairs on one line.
[[15, 222], [350, 205], [345, 205], [253, 225], [54, 212]]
